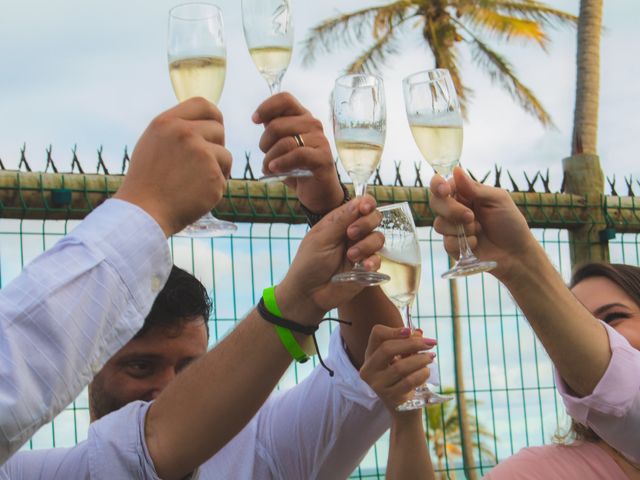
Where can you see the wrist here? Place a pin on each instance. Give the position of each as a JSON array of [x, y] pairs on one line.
[[527, 269], [297, 306], [151, 210]]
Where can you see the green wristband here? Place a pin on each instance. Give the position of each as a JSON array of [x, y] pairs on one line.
[[286, 337]]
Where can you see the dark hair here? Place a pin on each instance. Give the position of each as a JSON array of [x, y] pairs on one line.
[[627, 277], [182, 299]]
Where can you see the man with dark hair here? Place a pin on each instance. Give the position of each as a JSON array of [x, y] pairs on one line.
[[174, 334]]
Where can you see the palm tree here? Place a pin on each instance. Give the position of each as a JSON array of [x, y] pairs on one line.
[[444, 26], [585, 120], [443, 434]]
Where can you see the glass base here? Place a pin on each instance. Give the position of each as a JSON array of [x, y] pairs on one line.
[[209, 226], [469, 266], [279, 177], [361, 276], [423, 398]]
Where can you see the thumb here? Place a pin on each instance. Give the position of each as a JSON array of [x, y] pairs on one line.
[[465, 185]]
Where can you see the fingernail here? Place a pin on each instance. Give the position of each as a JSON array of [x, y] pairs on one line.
[[255, 117], [405, 332], [353, 231], [442, 189], [274, 166], [419, 330], [432, 355], [467, 217], [430, 341], [367, 208], [354, 252]]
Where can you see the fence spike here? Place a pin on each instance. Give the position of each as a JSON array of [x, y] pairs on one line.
[[473, 177], [612, 185], [531, 183], [377, 180], [125, 160], [50, 160], [2, 165], [23, 158], [498, 174], [629, 183], [398, 181], [101, 162], [513, 183], [75, 162], [417, 166], [486, 175], [564, 183], [545, 182], [248, 171]]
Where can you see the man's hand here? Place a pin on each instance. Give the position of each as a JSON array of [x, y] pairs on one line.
[[179, 166], [495, 228], [282, 117], [306, 293]]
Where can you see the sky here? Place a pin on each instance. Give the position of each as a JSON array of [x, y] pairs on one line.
[[95, 73]]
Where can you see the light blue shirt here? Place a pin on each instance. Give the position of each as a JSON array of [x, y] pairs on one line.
[[70, 310], [319, 429]]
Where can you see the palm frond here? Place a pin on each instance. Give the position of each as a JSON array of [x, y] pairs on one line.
[[375, 56], [536, 11], [501, 71], [507, 27], [350, 28]]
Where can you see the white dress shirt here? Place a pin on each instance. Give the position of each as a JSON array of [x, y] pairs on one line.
[[319, 429], [70, 310]]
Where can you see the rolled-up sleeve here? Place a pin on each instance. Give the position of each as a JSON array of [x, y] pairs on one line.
[[70, 310], [612, 410], [323, 427]]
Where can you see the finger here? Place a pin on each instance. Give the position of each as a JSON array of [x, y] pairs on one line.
[[284, 145], [333, 226], [282, 127], [407, 385], [372, 263], [451, 209], [381, 333], [363, 226], [402, 368], [366, 247], [277, 106], [211, 131], [445, 227], [439, 186], [223, 158], [197, 108], [452, 246], [300, 157], [388, 350]]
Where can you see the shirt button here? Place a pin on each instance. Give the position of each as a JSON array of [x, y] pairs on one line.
[[95, 367], [155, 284]]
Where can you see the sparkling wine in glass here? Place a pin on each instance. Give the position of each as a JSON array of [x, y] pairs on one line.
[[401, 261], [359, 129], [197, 67], [268, 30], [434, 115]]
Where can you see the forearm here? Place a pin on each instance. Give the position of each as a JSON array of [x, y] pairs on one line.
[[576, 342], [408, 454], [189, 423], [367, 309]]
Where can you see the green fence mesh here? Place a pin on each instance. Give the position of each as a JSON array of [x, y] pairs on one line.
[[508, 378]]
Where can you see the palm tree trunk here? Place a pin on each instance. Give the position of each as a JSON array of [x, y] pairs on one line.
[[461, 400], [582, 172], [585, 120]]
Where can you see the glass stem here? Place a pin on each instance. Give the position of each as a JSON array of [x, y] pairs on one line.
[[405, 314], [359, 187], [463, 244]]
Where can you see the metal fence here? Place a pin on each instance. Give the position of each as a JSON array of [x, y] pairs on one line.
[[509, 390]]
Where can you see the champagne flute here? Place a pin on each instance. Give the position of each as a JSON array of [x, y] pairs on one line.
[[269, 34], [359, 128], [435, 119], [197, 67], [401, 260]]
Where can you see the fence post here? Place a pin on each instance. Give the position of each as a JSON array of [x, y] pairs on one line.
[[466, 443], [583, 176]]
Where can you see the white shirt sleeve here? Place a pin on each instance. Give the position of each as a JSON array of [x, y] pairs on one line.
[[70, 310], [323, 427]]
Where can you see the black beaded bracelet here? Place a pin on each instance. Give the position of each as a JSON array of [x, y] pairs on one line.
[[313, 218]]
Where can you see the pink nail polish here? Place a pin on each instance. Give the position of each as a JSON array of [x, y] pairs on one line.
[[430, 341], [405, 332]]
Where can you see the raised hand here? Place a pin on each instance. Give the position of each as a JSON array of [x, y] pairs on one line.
[[179, 166]]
